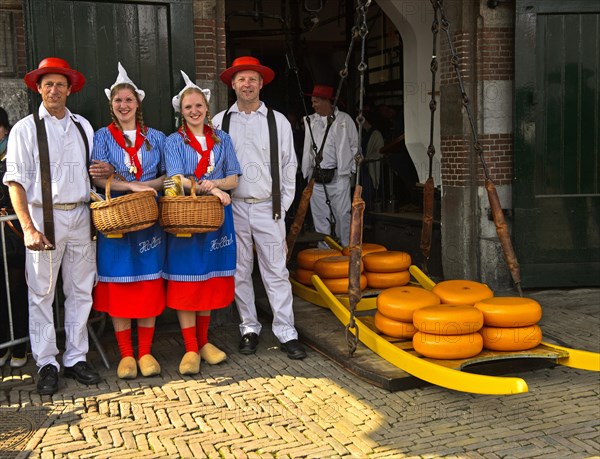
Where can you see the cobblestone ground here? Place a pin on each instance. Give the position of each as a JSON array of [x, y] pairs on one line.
[[267, 406]]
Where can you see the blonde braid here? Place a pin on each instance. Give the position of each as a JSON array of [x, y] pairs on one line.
[[139, 115], [214, 135]]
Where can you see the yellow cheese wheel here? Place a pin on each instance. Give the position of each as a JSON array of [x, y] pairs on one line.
[[367, 247], [340, 286], [448, 319], [399, 303], [394, 328], [462, 291], [510, 311], [387, 280], [511, 339], [306, 258], [333, 267], [447, 346], [303, 276], [388, 261]]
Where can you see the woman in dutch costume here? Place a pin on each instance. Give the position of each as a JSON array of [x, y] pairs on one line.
[[130, 284], [199, 269]]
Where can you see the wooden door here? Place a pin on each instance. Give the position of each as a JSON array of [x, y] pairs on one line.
[[152, 39], [556, 191]]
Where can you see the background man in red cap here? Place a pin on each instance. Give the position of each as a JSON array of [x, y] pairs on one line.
[[260, 202], [341, 144], [71, 247]]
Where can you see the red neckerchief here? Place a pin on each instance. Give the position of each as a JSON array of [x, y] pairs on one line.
[[131, 151], [202, 166]]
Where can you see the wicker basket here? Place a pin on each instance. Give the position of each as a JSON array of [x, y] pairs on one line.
[[124, 214], [190, 214]]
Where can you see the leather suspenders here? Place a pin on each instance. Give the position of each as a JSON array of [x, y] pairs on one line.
[[42, 139], [46, 177], [274, 153]]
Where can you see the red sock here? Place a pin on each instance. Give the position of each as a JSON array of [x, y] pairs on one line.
[[124, 342], [189, 339], [202, 323], [145, 335]]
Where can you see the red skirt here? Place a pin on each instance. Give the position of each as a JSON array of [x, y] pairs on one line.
[[130, 300], [214, 293]]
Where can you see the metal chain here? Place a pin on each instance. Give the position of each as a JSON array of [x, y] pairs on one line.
[[435, 27], [360, 30]]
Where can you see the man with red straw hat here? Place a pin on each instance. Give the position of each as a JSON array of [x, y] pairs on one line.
[[47, 164], [339, 145], [264, 145]]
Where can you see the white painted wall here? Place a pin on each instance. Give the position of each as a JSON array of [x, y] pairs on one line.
[[413, 20]]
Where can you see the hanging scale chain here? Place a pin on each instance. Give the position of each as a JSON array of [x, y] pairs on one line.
[[359, 30]]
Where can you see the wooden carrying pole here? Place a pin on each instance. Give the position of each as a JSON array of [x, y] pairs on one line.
[[299, 217], [427, 228], [354, 292], [502, 231]]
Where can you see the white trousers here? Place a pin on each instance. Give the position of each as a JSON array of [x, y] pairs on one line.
[[254, 225], [76, 254], [338, 191]]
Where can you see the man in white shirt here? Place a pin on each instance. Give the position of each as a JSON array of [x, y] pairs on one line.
[[339, 148], [70, 248], [259, 205]]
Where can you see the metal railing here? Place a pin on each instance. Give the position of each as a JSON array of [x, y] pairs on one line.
[[97, 320]]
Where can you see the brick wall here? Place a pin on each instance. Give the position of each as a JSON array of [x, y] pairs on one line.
[[485, 53], [209, 48], [496, 51]]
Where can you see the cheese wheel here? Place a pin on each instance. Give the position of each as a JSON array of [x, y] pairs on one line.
[[448, 319], [303, 276], [399, 303], [333, 267], [367, 247], [447, 346], [388, 261], [340, 286], [387, 280], [393, 328], [509, 311], [462, 291], [511, 339], [306, 258]]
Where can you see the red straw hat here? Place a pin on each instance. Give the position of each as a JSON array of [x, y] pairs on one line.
[[322, 92], [247, 63], [55, 65]]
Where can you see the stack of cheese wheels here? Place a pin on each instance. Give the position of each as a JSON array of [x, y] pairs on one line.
[[448, 331], [462, 292], [510, 323], [334, 272], [395, 309], [306, 262], [387, 269]]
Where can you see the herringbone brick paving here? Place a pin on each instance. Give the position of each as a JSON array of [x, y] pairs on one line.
[[266, 406]]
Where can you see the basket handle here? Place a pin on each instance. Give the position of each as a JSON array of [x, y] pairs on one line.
[[107, 185], [194, 180]]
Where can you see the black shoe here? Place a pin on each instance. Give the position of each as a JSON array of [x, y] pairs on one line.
[[294, 349], [249, 343], [48, 383], [83, 373]]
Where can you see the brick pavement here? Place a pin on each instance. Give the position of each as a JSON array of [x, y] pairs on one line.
[[266, 406]]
